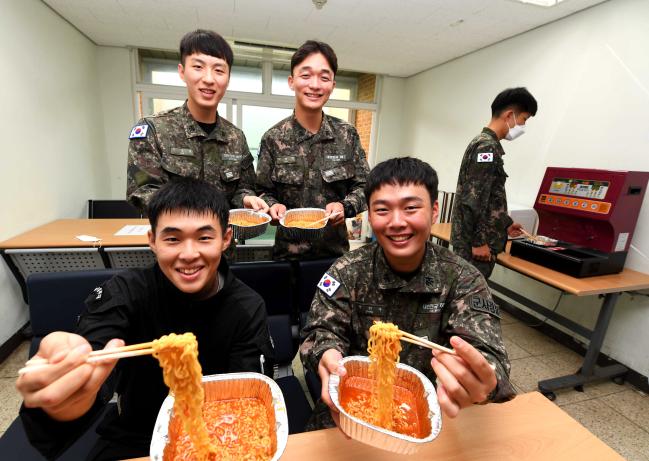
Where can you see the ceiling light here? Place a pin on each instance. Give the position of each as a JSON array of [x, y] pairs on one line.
[[319, 3], [540, 2]]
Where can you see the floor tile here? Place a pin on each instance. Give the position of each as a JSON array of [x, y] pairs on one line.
[[514, 351], [618, 432], [11, 401], [506, 318], [9, 368], [532, 341], [632, 404], [526, 372]]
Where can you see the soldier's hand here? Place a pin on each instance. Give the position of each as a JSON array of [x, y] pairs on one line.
[[67, 388], [255, 203], [463, 379], [481, 253], [329, 364], [277, 211], [515, 230], [335, 207]]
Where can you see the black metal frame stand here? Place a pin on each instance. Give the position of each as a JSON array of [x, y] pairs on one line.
[[589, 371]]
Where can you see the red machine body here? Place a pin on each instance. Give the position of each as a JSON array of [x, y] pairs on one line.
[[591, 208]]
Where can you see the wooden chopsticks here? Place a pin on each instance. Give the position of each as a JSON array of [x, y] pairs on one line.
[[410, 338], [133, 350]]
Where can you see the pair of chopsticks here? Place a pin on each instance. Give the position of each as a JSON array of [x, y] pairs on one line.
[[335, 213], [95, 356], [410, 338]]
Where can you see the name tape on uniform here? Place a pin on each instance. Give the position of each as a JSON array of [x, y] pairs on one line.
[[139, 131], [328, 284], [485, 157], [481, 304]]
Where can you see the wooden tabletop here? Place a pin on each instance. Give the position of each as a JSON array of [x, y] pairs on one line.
[[61, 234], [530, 427], [624, 281]]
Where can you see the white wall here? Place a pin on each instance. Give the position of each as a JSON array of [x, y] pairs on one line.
[[590, 75], [116, 93], [52, 130], [389, 117]]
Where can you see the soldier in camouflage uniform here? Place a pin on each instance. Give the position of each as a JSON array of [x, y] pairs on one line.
[[193, 140], [421, 287], [480, 222], [311, 159]]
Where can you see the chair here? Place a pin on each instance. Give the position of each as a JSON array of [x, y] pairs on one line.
[[446, 206], [309, 274], [14, 443], [55, 302], [127, 257], [272, 280], [297, 405], [112, 209]]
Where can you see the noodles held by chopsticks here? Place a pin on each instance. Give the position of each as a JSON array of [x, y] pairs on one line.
[[178, 357], [384, 347]]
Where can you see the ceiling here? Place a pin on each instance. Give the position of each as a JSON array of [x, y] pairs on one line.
[[393, 37]]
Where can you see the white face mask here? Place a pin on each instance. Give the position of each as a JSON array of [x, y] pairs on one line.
[[514, 131]]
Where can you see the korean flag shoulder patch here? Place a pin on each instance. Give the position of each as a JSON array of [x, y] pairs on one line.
[[485, 157], [139, 131], [328, 284]]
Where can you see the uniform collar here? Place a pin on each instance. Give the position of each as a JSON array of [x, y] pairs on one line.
[[491, 133], [297, 133], [425, 281], [193, 129]]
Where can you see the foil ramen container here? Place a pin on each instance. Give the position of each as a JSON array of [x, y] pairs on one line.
[[248, 232], [542, 240], [227, 387], [428, 410], [306, 214]]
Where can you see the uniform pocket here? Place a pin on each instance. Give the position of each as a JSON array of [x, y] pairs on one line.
[[364, 315], [338, 172], [288, 170], [180, 164], [230, 173]]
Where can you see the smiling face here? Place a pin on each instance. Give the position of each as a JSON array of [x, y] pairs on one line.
[[188, 247], [313, 81], [401, 216], [207, 78]]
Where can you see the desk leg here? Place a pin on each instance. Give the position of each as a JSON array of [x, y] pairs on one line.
[[589, 371]]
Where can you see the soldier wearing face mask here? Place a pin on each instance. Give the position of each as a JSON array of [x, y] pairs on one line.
[[480, 223]]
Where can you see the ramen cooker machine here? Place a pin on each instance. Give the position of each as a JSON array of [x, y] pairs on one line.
[[591, 214]]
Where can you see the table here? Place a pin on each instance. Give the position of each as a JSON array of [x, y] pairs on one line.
[[53, 247], [529, 427], [608, 285]]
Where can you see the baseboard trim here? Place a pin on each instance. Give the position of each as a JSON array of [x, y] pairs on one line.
[[12, 343], [633, 377]]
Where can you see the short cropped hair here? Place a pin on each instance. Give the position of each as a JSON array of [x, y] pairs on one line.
[[189, 195], [311, 47], [519, 99], [402, 171], [206, 42]]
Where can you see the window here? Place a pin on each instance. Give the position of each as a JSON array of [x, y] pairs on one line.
[[250, 102]]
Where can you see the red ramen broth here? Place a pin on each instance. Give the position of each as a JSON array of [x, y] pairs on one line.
[[239, 429], [356, 399]]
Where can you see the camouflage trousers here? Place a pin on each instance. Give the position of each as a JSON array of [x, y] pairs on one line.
[[485, 267], [320, 418]]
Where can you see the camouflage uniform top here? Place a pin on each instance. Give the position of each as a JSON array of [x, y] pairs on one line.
[[480, 211], [173, 145], [446, 297], [300, 169]]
